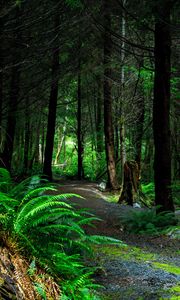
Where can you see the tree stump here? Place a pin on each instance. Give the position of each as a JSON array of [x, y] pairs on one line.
[[130, 182]]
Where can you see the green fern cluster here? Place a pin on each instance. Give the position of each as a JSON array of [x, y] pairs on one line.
[[147, 221], [80, 288], [50, 229], [176, 193]]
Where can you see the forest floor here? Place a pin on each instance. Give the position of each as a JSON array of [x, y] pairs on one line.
[[148, 267]]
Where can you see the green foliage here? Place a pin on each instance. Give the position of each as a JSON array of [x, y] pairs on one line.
[[32, 268], [148, 189], [18, 3], [74, 3], [41, 290], [175, 81], [147, 221], [176, 193], [5, 180], [92, 166], [80, 288], [145, 74], [51, 230]]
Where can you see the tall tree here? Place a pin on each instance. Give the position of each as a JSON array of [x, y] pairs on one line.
[[161, 106], [108, 122], [47, 168], [6, 156], [79, 123]]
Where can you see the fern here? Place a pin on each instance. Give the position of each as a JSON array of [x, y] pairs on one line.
[[51, 230], [40, 290], [82, 287], [7, 202], [5, 180], [148, 221]]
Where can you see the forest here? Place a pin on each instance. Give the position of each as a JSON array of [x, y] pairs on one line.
[[89, 149]]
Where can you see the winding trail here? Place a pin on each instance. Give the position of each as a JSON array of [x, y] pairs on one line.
[[147, 268]]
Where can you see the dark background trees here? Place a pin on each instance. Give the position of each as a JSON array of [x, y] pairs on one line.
[[91, 79]]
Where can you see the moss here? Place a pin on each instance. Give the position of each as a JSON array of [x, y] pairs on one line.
[[174, 292], [128, 253], [167, 267], [175, 289]]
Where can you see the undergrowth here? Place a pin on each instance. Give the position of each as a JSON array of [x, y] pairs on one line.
[[48, 228], [147, 221]]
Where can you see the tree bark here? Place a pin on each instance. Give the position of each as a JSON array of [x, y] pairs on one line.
[[47, 168], [130, 182], [26, 137], [99, 119], [79, 129], [108, 123], [6, 156], [161, 108], [1, 73], [60, 143], [121, 108], [139, 131]]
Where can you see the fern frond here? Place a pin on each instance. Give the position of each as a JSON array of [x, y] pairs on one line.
[[88, 221], [5, 176], [24, 186], [62, 228], [38, 204], [36, 192], [8, 202], [56, 215], [100, 239], [82, 245], [66, 196]]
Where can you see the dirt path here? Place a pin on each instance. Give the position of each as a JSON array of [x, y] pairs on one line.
[[147, 268]]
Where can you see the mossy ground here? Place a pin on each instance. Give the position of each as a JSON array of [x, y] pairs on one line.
[[167, 267], [128, 253], [127, 273], [136, 254]]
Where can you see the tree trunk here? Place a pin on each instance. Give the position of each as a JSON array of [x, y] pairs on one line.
[[47, 168], [60, 145], [161, 109], [1, 74], [121, 108], [99, 119], [42, 142], [123, 147], [108, 123], [26, 137], [34, 145], [6, 156], [79, 129], [130, 182], [139, 132]]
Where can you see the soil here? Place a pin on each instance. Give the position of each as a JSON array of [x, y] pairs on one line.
[[147, 268]]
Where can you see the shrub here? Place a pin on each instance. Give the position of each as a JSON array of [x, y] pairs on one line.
[[147, 221]]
